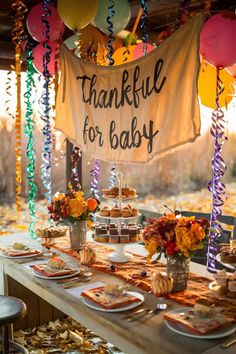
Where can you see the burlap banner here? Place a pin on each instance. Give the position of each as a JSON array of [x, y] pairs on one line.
[[138, 111]]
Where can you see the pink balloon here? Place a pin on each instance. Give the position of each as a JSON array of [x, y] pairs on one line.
[[218, 40], [36, 27], [39, 51], [232, 70], [139, 50]]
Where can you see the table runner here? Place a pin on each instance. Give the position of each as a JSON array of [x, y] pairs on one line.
[[131, 272]]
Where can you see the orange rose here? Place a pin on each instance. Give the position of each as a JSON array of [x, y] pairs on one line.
[[92, 204], [77, 207]]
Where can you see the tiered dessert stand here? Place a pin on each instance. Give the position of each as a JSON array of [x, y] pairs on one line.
[[119, 256]]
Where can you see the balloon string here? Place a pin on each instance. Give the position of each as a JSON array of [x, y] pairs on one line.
[[8, 94], [112, 178], [29, 132], [75, 158], [17, 38], [94, 183], [111, 13], [45, 100], [143, 25], [216, 187]]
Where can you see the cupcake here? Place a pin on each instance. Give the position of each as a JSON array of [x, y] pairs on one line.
[[105, 211], [134, 212], [115, 212], [126, 212]]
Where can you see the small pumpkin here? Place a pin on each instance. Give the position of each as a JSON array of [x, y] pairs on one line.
[[87, 256]]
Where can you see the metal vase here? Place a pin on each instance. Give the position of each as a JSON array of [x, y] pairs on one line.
[[178, 268]]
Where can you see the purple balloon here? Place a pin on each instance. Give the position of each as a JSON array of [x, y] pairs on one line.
[[36, 27]]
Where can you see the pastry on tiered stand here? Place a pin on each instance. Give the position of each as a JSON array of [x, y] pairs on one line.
[[109, 233], [228, 254], [113, 193], [127, 211]]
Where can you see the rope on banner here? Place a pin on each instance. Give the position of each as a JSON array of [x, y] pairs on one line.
[[29, 132], [94, 183], [215, 185], [111, 13], [45, 101], [17, 38]]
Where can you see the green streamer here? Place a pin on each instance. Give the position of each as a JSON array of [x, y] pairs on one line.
[[29, 132]]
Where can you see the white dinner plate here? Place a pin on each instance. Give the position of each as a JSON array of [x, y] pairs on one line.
[[19, 257], [228, 265], [132, 305], [39, 275], [218, 333], [97, 215]]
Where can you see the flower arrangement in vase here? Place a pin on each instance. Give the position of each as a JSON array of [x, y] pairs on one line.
[[73, 209], [177, 237]]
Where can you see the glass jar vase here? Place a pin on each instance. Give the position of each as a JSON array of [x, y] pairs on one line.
[[78, 232], [178, 268]]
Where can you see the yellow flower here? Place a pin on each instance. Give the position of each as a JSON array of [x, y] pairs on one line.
[[59, 196], [77, 207], [79, 195], [151, 247]]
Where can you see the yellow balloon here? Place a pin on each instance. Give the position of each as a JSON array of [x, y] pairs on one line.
[[207, 86], [76, 14], [123, 55]]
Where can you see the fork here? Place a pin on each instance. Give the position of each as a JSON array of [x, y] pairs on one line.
[[159, 307]]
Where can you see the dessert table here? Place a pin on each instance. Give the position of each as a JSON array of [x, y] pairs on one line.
[[139, 337]]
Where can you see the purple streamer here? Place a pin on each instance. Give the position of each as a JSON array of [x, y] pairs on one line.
[[94, 183], [45, 101], [111, 11], [75, 158], [215, 185]]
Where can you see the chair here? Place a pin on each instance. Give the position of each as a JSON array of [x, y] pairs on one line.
[[11, 309]]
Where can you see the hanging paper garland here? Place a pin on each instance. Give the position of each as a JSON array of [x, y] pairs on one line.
[[8, 94], [29, 132], [112, 178], [17, 38], [75, 158], [94, 183], [215, 185], [111, 38], [45, 100]]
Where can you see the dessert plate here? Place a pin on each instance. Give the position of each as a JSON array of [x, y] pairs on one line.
[[219, 333], [228, 265], [97, 215], [131, 306], [39, 275], [19, 257]]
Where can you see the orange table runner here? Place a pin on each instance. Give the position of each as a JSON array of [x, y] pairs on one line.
[[131, 272]]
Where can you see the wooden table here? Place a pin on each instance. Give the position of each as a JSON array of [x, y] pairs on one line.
[[150, 336]]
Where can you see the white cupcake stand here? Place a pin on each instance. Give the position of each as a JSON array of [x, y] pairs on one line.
[[119, 256]]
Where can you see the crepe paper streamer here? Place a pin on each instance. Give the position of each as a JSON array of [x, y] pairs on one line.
[[18, 38], [45, 101], [8, 94], [215, 185], [111, 13], [94, 183], [29, 132], [75, 158], [112, 178], [143, 24], [40, 51]]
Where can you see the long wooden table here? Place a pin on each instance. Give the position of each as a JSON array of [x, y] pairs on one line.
[[150, 336]]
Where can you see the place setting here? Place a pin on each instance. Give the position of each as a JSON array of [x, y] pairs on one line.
[[19, 250]]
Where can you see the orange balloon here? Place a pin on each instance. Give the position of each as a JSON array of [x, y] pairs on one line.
[[90, 35], [123, 55], [207, 86], [231, 70]]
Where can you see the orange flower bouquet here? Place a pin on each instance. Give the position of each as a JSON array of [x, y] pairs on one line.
[[72, 207], [175, 235]]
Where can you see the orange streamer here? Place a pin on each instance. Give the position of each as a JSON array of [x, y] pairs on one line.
[[17, 38]]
